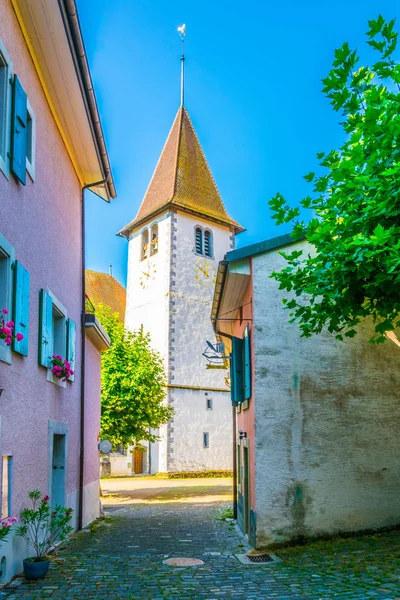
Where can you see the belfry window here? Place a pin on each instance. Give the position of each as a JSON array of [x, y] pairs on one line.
[[154, 240], [208, 250], [199, 240], [145, 244]]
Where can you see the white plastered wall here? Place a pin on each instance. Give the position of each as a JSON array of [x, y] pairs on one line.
[[327, 417]]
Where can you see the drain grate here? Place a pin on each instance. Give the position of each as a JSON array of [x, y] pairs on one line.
[[259, 558]]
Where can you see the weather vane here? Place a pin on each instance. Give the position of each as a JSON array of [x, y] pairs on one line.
[[182, 32]]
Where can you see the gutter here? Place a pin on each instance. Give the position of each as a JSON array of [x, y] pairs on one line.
[[71, 14], [219, 288]]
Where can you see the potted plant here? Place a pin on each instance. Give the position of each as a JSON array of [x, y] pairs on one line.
[[41, 528], [7, 332], [61, 368], [5, 526]]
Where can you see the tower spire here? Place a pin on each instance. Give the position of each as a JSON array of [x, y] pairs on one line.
[[182, 30]]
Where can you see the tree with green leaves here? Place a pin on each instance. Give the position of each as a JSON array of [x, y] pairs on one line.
[[133, 384], [354, 272]]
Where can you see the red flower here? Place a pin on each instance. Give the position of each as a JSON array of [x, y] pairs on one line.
[[46, 498]]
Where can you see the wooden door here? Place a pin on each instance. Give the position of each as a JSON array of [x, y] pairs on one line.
[[58, 479], [246, 489], [138, 461]]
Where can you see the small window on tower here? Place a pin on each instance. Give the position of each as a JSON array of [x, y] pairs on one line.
[[154, 240], [208, 250], [206, 440], [145, 244], [199, 240]]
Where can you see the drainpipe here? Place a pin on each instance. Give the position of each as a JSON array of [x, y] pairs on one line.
[[83, 348]]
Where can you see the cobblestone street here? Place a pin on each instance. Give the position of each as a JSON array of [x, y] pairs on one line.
[[123, 558]]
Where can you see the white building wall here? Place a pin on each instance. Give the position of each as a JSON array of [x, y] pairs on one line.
[[147, 292], [192, 419], [327, 417]]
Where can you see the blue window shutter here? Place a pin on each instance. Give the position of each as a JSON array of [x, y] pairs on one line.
[[21, 307], [199, 240], [19, 131], [237, 371], [71, 345], [45, 329], [247, 364]]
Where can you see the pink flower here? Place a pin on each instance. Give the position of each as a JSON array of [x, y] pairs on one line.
[[10, 324], [6, 331], [72, 372], [8, 341], [19, 337], [5, 311]]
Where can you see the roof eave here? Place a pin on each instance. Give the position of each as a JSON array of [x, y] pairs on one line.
[[127, 230], [79, 53]]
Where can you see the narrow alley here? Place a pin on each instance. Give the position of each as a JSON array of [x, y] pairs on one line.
[[149, 521]]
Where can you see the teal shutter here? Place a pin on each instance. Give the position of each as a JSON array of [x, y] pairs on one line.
[[45, 329], [237, 371], [19, 131], [71, 345], [21, 307], [247, 364]]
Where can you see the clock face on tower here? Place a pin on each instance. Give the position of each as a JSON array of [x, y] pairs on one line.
[[148, 274], [204, 273]]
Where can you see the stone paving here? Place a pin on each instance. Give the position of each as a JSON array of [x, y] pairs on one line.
[[123, 558]]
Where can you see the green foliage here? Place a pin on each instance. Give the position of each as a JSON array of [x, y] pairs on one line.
[[41, 527], [194, 475], [355, 227], [133, 384]]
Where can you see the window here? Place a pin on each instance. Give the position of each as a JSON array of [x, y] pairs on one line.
[[154, 240], [30, 142], [206, 440], [199, 240], [6, 482], [145, 244], [5, 109], [209, 403], [57, 335], [59, 332], [208, 249], [6, 284]]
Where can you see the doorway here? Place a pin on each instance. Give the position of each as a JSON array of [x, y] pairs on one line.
[[138, 461], [246, 489], [57, 496]]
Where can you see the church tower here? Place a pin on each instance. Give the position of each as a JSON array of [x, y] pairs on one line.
[[176, 240]]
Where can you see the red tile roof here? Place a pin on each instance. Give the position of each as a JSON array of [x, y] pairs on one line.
[[101, 287]]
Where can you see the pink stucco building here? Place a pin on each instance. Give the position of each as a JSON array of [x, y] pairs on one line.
[[51, 149]]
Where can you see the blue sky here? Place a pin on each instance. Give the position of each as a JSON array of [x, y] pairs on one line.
[[253, 81]]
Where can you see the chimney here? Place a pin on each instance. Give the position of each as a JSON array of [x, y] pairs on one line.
[[110, 270]]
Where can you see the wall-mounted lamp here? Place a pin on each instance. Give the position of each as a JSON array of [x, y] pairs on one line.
[[242, 434]]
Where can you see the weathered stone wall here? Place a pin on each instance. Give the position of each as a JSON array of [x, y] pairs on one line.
[[327, 417]]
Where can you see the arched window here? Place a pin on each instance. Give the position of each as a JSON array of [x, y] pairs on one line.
[[198, 238], [145, 244], [208, 249], [154, 240]]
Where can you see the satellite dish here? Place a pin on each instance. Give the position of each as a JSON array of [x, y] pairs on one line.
[[105, 446]]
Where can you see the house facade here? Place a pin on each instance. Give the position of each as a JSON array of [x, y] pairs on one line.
[[317, 419], [51, 149], [181, 232]]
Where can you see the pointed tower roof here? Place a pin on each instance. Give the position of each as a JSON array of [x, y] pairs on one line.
[[182, 179]]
